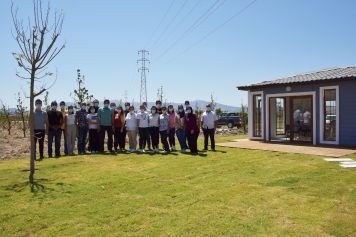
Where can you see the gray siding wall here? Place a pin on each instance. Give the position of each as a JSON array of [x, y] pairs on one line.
[[347, 106]]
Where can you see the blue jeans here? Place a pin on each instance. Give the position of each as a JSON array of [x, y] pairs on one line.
[[82, 136], [182, 138], [57, 139], [65, 141]]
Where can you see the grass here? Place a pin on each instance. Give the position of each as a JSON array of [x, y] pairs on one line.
[[230, 192]]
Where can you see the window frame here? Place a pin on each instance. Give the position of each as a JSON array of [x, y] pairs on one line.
[[251, 117]]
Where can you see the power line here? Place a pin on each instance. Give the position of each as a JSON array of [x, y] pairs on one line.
[[209, 33], [170, 23], [159, 23], [186, 32], [178, 25]]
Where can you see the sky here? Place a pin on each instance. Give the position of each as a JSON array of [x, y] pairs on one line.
[[224, 48]]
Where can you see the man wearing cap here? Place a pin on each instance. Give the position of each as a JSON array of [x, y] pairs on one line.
[[209, 121], [64, 112]]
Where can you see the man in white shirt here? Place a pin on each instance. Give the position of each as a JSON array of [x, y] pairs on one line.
[[209, 121]]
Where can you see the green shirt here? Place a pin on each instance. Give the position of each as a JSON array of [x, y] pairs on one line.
[[105, 115]]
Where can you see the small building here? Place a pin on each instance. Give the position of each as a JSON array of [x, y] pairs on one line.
[[314, 107]]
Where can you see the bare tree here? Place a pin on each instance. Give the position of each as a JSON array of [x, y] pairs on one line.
[[212, 102], [7, 122], [21, 112], [36, 41]]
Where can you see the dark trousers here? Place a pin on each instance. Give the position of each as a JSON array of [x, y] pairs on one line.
[[192, 141], [143, 137], [104, 129], [119, 138], [82, 137], [40, 136], [154, 132], [94, 139], [172, 139], [57, 142], [209, 133], [164, 136], [148, 139]]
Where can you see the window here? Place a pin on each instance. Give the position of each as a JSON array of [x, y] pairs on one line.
[[257, 119], [280, 116], [329, 96]]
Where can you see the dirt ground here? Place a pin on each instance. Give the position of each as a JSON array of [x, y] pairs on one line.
[[15, 146]]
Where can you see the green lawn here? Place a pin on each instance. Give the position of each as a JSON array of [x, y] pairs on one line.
[[230, 192]]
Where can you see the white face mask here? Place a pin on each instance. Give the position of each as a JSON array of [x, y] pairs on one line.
[[119, 110], [170, 109], [153, 111], [92, 110], [158, 106], [38, 106], [131, 111], [180, 110], [62, 106], [106, 105], [83, 107], [113, 107], [70, 110], [54, 106], [96, 104], [186, 106], [189, 111], [142, 110], [127, 107], [208, 108], [164, 111]]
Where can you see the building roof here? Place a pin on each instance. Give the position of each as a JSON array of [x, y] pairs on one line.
[[308, 77]]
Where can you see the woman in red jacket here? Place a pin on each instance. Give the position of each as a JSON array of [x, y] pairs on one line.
[[191, 130]]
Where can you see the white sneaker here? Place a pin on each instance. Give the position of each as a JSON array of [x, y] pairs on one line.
[[165, 152], [143, 151]]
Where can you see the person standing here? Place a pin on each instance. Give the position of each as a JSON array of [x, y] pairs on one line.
[[105, 124], [64, 112], [83, 127], [209, 121], [96, 107], [55, 122], [153, 120], [148, 131], [119, 124], [142, 125], [40, 126], [191, 130], [131, 127], [179, 125], [93, 130], [71, 130], [172, 128], [164, 129], [159, 107]]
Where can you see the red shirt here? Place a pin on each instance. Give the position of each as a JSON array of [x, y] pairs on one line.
[[117, 120], [191, 124]]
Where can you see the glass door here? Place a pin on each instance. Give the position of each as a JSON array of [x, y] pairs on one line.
[[301, 119]]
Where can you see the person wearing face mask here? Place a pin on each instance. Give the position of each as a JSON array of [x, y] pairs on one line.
[[93, 130], [172, 130], [191, 130], [179, 125], [186, 105], [127, 108], [153, 123], [159, 107], [96, 107], [105, 124], [70, 130], [131, 127], [55, 122], [83, 127], [142, 125], [119, 124], [209, 121], [64, 112], [148, 141], [164, 127], [40, 126]]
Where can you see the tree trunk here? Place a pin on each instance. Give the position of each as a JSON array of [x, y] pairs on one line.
[[23, 125], [32, 132]]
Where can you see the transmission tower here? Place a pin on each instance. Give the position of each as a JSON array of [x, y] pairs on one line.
[[143, 91]]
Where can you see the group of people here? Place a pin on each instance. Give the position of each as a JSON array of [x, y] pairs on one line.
[[117, 122]]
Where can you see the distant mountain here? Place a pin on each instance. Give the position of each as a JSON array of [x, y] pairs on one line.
[[201, 105]]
